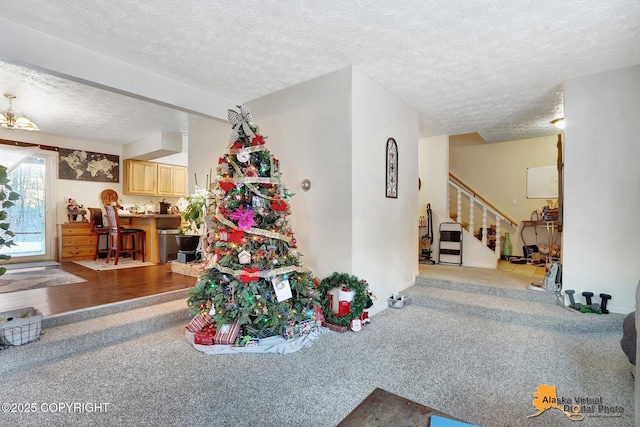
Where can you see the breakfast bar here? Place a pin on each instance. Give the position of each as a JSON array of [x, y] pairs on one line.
[[151, 223]]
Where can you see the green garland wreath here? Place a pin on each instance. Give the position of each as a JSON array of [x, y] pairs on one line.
[[359, 303]]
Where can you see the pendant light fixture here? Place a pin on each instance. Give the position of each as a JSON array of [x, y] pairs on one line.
[[11, 121]]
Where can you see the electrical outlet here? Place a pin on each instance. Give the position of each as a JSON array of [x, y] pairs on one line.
[[515, 201]]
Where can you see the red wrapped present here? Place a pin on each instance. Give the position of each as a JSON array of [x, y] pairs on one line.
[[205, 336], [199, 322], [335, 328], [227, 334]]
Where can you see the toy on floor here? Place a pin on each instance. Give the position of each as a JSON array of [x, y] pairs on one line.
[[589, 307]]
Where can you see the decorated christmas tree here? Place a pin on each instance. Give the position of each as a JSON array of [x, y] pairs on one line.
[[252, 270]]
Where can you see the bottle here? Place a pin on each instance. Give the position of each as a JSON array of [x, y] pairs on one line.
[[506, 247]]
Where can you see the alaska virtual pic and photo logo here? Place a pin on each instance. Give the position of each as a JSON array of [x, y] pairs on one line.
[[546, 397]]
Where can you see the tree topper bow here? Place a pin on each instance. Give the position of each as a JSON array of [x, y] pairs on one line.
[[238, 120]]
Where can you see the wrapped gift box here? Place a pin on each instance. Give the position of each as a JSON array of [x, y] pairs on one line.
[[300, 329], [335, 328], [227, 334], [205, 336], [199, 322]]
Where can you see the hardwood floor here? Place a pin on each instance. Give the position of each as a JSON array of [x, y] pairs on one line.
[[104, 287]]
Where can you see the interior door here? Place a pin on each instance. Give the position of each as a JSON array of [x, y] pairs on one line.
[[30, 175]]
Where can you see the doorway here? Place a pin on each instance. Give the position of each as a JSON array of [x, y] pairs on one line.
[[30, 175]]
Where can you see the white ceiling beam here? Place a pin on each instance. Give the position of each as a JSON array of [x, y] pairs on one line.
[[59, 57]]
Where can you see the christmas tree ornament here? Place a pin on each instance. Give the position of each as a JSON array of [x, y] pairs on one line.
[[257, 140], [243, 157], [244, 257], [244, 218], [282, 288], [226, 186]]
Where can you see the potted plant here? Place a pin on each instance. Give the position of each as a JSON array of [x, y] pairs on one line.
[[7, 199], [192, 216]]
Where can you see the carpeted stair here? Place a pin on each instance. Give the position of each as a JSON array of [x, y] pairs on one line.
[[84, 331], [512, 303]]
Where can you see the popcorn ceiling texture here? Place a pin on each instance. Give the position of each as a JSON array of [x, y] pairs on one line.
[[494, 67]]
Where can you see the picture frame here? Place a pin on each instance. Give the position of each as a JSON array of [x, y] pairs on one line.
[[81, 165], [391, 190]]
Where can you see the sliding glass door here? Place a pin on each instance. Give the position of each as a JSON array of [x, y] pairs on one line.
[[30, 172]]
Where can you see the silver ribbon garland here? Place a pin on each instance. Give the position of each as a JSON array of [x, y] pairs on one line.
[[253, 230], [240, 120], [249, 180], [264, 274], [251, 149]]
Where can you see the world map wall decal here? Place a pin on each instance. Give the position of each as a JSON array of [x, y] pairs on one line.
[[88, 166]]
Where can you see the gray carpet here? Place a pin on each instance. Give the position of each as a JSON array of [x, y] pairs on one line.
[[479, 369]]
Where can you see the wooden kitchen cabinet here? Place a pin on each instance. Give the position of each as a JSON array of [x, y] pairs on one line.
[[172, 180], [154, 179], [140, 177], [76, 242], [180, 181]]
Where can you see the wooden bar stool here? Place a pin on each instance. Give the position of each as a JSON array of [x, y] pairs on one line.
[[123, 240], [98, 227]]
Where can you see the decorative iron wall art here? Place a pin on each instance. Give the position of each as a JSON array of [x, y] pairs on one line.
[[392, 169]]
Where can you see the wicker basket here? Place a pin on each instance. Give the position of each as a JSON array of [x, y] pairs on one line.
[[20, 326]]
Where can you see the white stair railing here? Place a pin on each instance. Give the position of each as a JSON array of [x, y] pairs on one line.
[[489, 215]]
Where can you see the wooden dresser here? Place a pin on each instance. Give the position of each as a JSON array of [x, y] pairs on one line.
[[76, 242]]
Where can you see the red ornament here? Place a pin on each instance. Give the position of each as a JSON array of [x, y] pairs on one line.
[[279, 205], [237, 145], [226, 185], [257, 140], [246, 278], [221, 160], [236, 236]]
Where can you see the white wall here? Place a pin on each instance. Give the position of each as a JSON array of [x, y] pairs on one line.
[[434, 173], [208, 140], [385, 231], [602, 181], [309, 130]]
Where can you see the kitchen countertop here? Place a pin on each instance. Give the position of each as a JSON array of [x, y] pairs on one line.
[[153, 215]]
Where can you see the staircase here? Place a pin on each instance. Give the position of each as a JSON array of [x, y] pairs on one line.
[[502, 297], [83, 331], [477, 215]]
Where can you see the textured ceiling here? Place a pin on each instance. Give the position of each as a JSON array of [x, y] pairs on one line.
[[492, 67]]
